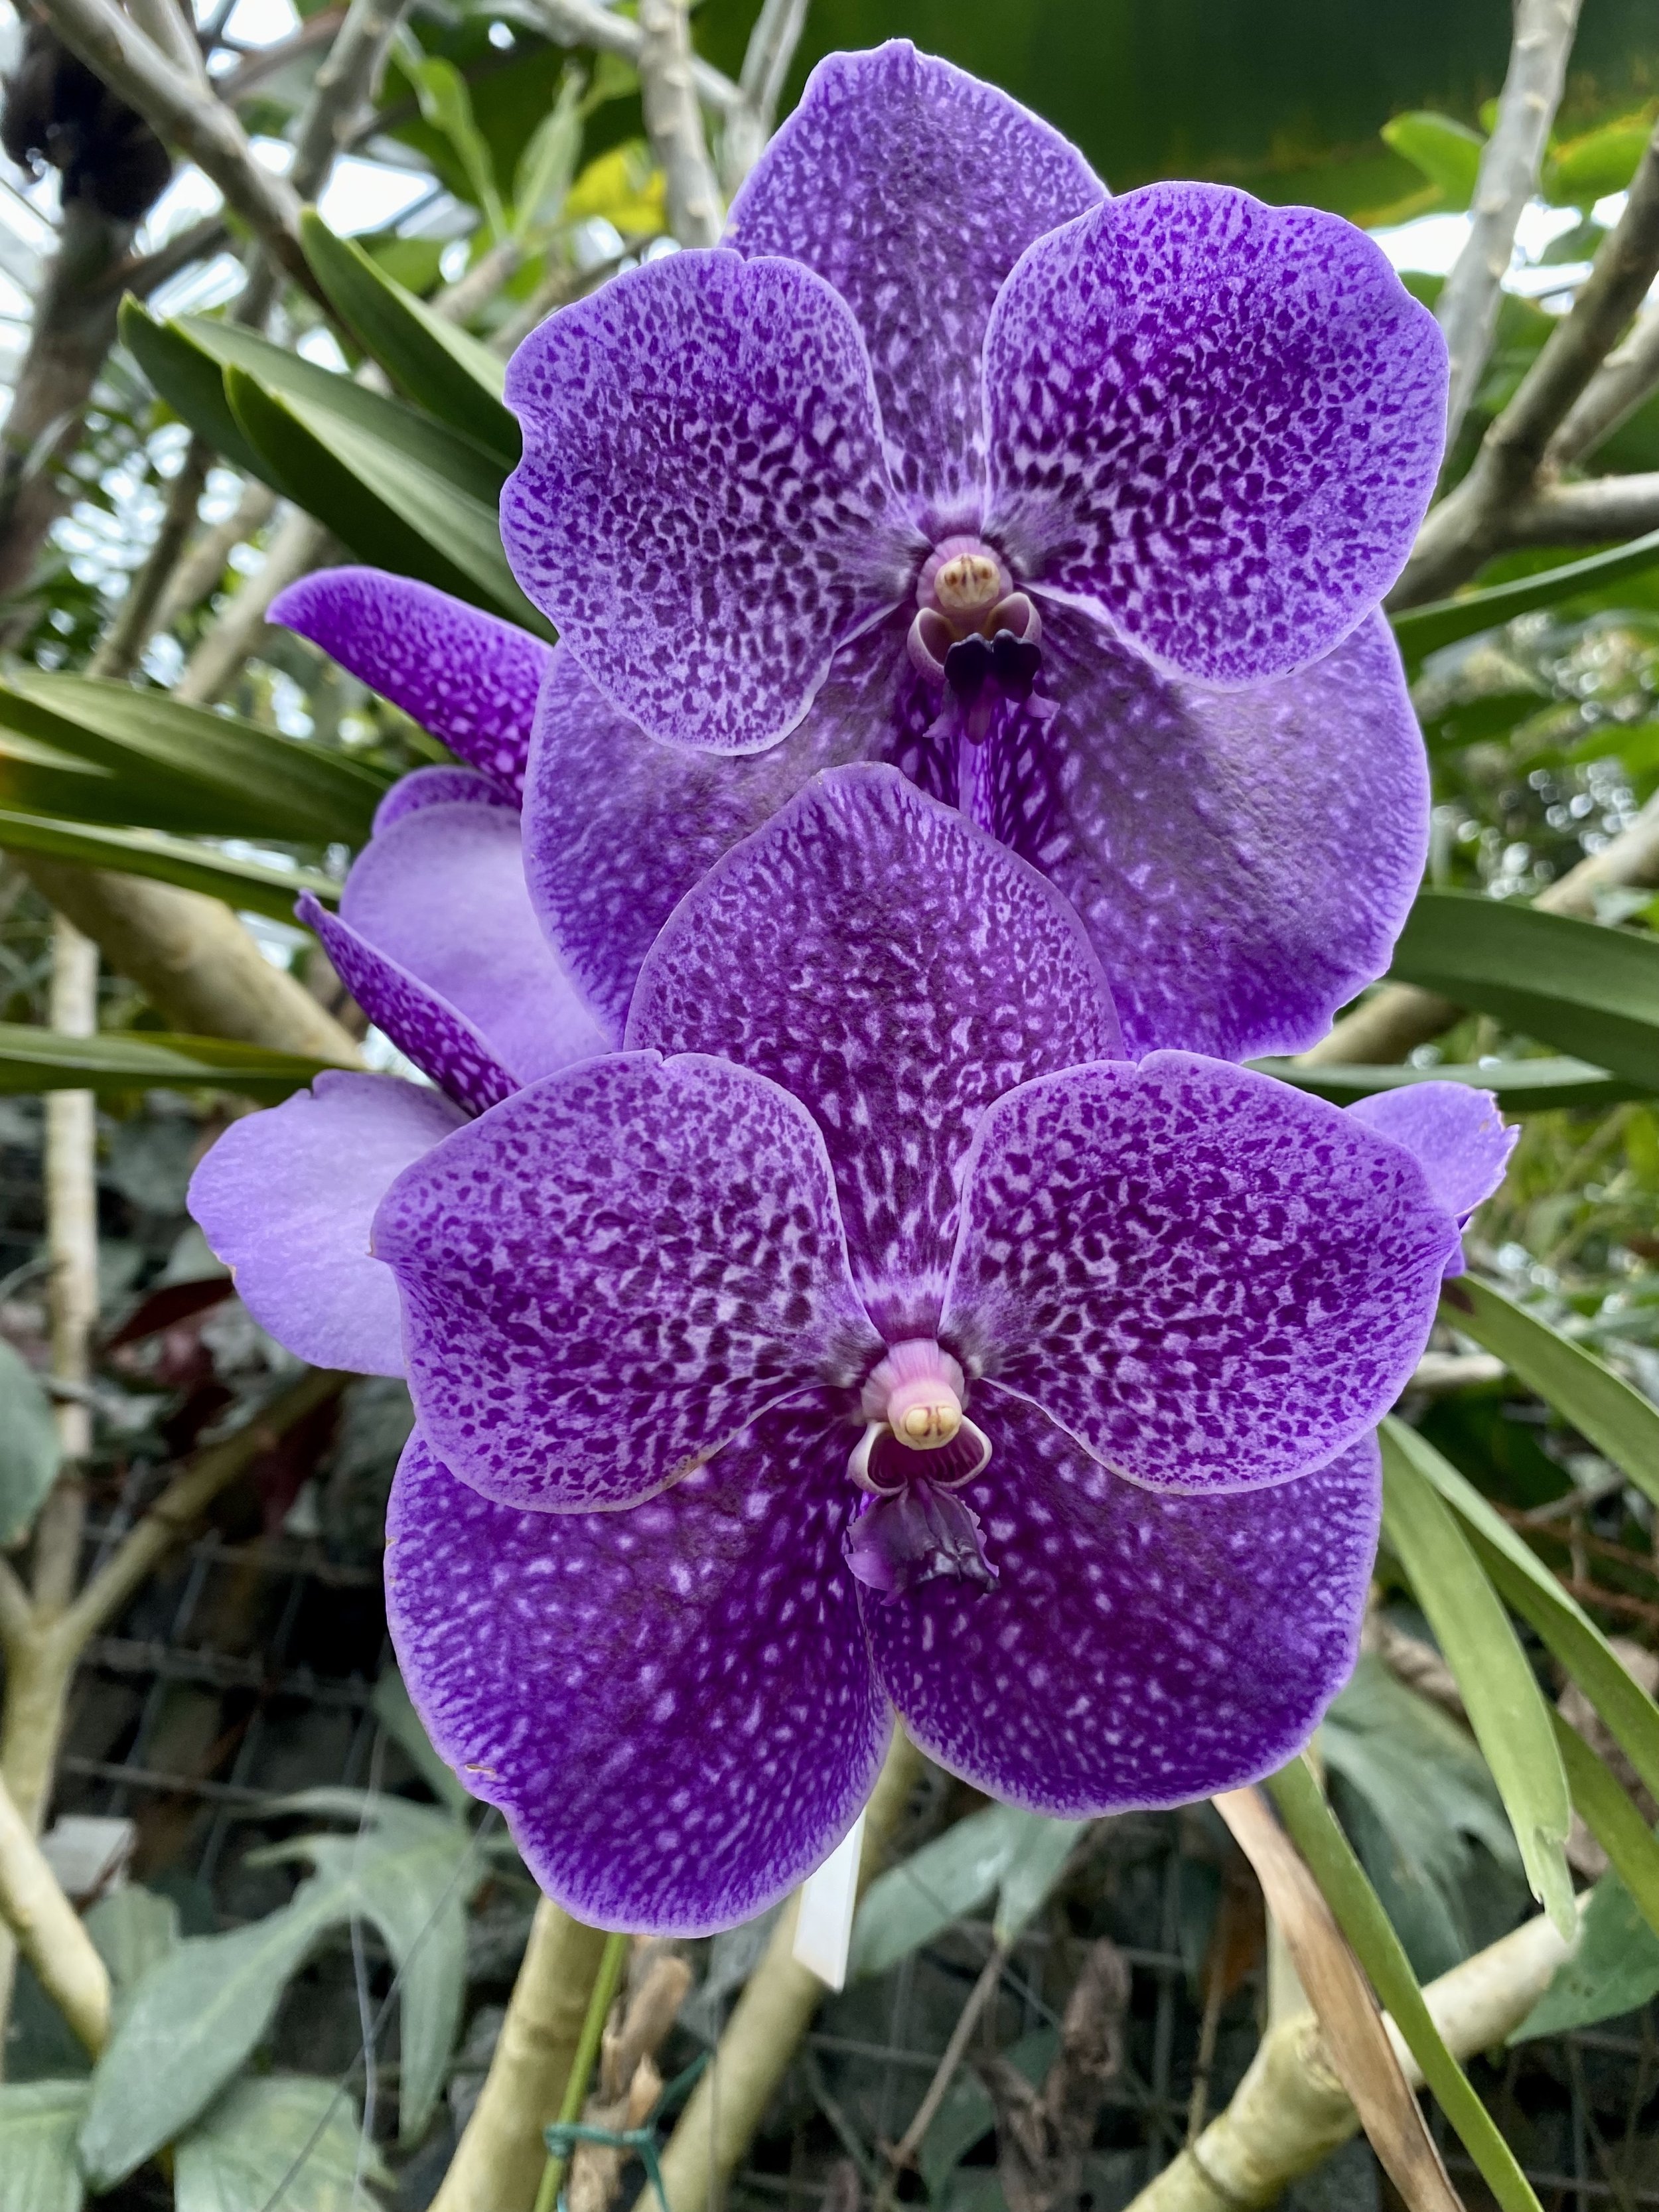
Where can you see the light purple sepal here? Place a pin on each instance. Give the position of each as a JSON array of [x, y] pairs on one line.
[[436, 786], [286, 1197], [1454, 1132]]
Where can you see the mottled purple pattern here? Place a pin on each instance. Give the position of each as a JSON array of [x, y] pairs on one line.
[[618, 828], [896, 970], [1456, 1132], [443, 1044], [467, 677], [914, 189], [610, 1275], [1243, 860], [1212, 1281], [673, 1705], [443, 894], [1137, 1650], [286, 1197], [1216, 422], [702, 507], [436, 786]]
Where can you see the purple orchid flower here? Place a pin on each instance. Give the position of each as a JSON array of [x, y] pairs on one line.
[[870, 1334], [436, 941], [1077, 509]]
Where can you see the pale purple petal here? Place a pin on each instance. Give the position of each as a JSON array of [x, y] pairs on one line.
[[467, 677], [443, 894], [894, 969], [1454, 1132], [425, 1027], [436, 786], [286, 1197], [914, 189], [673, 1705], [1137, 1650], [618, 828], [702, 507], [1217, 422], [1212, 1281], [1243, 860], [606, 1278]]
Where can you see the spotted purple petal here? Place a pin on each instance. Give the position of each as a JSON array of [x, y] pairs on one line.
[[1456, 1133], [436, 786], [443, 894], [896, 970], [425, 1027], [606, 1278], [702, 507], [286, 1197], [1137, 1649], [467, 677], [618, 828], [1210, 1280], [673, 1705], [914, 189], [1243, 860], [1217, 423]]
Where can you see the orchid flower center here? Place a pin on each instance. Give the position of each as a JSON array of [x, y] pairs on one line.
[[973, 631], [918, 1448]]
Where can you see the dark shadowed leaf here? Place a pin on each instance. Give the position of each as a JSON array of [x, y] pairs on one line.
[[1614, 1970], [1612, 1820], [255, 886], [1617, 1419], [29, 1450], [947, 1878]]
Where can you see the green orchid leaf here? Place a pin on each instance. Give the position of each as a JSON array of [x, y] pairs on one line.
[[30, 1452], [1520, 1086], [116, 1063], [1506, 1708], [1422, 630], [254, 886], [1583, 1389], [1590, 990], [433, 362], [1353, 1902]]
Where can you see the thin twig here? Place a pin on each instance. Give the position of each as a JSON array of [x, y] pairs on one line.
[[203, 565], [48, 1931], [766, 60], [298, 544], [1629, 375], [904, 2150], [71, 1180], [585, 23], [1478, 519], [187, 1498], [111, 45], [1510, 165], [673, 122], [122, 643]]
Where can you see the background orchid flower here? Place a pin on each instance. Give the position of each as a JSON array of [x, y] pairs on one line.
[[1077, 509], [436, 941], [869, 1332]]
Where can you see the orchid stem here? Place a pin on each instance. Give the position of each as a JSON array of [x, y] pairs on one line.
[[582, 2066]]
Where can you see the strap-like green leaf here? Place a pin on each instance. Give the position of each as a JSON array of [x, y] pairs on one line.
[[247, 781], [250, 885], [1584, 1389], [1520, 1086], [1422, 630], [1505, 1706], [433, 362], [1527, 1586], [1589, 990], [1322, 1843], [37, 2121], [1613, 1821], [386, 505], [116, 1062], [191, 381]]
